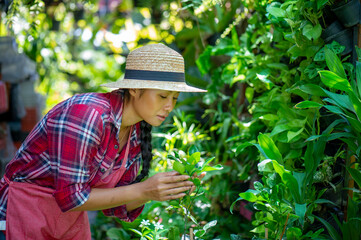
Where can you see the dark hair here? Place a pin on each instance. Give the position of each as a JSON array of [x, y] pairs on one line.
[[145, 144], [146, 148]]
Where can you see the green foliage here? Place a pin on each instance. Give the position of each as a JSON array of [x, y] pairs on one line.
[[192, 166], [278, 101]]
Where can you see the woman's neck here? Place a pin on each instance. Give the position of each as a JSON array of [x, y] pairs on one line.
[[129, 116]]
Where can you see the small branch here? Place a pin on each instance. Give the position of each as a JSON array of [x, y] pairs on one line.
[[284, 228]]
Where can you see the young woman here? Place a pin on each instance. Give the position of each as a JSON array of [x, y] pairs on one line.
[[85, 154]]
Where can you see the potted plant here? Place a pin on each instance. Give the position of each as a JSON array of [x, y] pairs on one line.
[[348, 12]]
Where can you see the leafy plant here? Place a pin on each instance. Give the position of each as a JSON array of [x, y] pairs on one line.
[[192, 165], [285, 200], [343, 101], [148, 232]]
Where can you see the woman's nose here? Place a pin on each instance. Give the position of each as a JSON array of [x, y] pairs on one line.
[[169, 105]]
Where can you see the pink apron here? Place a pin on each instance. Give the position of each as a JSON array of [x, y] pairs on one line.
[[35, 214]]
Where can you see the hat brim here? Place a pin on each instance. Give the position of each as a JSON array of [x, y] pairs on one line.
[[147, 84]]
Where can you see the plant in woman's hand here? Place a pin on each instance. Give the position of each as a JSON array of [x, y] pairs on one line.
[[193, 165]]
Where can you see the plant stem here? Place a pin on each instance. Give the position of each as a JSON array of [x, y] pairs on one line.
[[284, 228]]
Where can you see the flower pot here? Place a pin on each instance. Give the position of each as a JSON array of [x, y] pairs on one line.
[[348, 13], [334, 28], [344, 38], [335, 195]]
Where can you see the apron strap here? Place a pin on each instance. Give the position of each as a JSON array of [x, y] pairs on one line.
[[6, 179], [125, 159]]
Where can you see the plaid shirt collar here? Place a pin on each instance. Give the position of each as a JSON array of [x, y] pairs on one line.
[[116, 103], [116, 114]]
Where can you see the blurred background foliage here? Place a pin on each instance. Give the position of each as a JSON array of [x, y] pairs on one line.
[[257, 59]]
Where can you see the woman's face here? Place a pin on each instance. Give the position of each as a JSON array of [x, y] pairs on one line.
[[152, 105]]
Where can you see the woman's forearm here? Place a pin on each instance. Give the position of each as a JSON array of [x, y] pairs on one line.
[[135, 204], [160, 187], [105, 198]]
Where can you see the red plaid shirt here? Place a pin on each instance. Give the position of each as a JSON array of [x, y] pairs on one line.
[[72, 147]]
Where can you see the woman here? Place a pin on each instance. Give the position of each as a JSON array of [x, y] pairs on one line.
[[86, 152]]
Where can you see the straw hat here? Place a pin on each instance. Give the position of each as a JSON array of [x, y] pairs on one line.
[[154, 66]]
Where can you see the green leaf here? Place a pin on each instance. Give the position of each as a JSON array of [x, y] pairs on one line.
[[199, 233], [300, 210], [173, 233], [356, 103], [321, 201], [334, 81], [356, 175], [189, 168], [174, 203], [277, 12], [334, 63], [210, 225], [265, 166], [313, 89], [248, 196], [204, 61], [292, 135], [334, 109], [331, 230], [206, 163], [179, 167], [312, 32], [194, 158], [118, 233], [279, 128], [241, 147], [232, 205], [136, 231], [321, 3], [340, 100], [354, 123], [193, 149], [249, 94], [358, 77], [269, 148], [196, 181], [308, 104], [289, 180], [212, 168], [294, 233]]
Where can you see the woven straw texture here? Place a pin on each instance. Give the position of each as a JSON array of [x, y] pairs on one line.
[[155, 58]]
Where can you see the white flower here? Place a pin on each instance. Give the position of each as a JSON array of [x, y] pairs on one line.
[[158, 226], [144, 223]]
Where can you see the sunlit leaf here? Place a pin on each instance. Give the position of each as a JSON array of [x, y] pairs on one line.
[[308, 104], [179, 167], [334, 63], [269, 147], [334, 81]]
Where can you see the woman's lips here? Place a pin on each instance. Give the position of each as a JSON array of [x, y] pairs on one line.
[[161, 117]]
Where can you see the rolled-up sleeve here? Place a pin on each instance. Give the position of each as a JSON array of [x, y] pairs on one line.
[[74, 136]]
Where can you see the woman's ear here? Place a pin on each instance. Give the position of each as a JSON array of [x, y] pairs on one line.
[[133, 92]]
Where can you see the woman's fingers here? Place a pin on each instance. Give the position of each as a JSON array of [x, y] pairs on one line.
[[170, 185], [174, 191], [200, 177]]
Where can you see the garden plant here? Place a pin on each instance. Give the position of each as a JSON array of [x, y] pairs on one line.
[[281, 114]]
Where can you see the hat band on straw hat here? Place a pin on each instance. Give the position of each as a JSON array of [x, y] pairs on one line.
[[154, 75]]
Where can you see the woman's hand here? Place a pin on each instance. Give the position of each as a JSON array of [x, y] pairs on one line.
[[200, 177], [166, 186]]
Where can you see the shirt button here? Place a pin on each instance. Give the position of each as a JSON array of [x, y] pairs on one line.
[[116, 146], [102, 170]]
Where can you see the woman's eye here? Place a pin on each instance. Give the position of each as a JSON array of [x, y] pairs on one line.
[[175, 98], [163, 96]]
